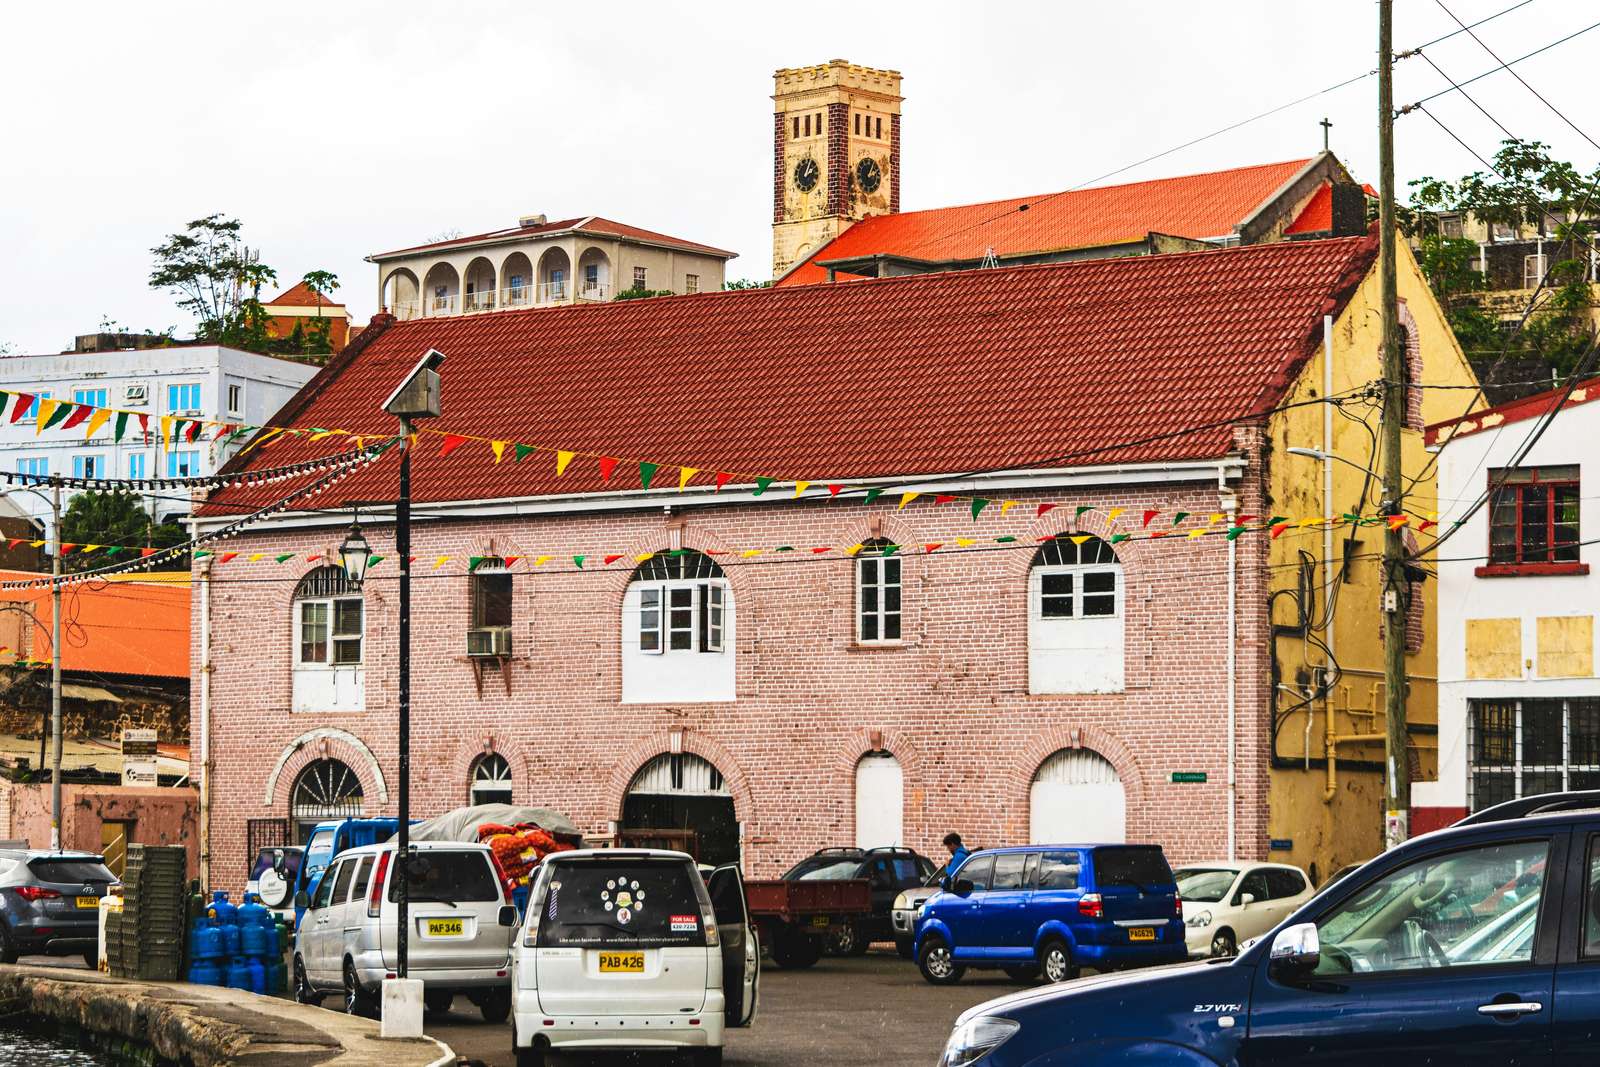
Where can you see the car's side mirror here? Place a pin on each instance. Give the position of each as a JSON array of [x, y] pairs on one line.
[[1296, 950], [1246, 899], [963, 887], [302, 900], [508, 915]]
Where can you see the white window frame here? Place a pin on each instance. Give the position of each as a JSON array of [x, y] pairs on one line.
[[641, 277], [682, 615], [236, 399], [86, 466], [95, 398], [176, 409], [138, 464], [691, 283], [34, 466], [1077, 595], [175, 456], [880, 585]]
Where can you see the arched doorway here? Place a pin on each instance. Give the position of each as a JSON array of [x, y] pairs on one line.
[[1077, 797], [880, 801], [491, 780], [325, 789], [402, 295], [677, 793]]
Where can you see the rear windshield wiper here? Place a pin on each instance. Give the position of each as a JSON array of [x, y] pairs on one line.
[[610, 926]]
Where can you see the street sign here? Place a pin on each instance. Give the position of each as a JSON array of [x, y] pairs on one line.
[[139, 757], [1188, 777]]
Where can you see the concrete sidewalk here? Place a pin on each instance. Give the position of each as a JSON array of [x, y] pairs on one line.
[[208, 1025]]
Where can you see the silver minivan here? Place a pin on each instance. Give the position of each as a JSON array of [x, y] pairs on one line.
[[633, 949], [461, 928]]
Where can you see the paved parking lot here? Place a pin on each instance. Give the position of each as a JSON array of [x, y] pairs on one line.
[[875, 1009]]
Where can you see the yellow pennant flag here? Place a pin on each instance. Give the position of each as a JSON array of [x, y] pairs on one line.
[[1007, 505], [800, 487], [1114, 512], [1216, 517], [1197, 533], [273, 431], [562, 459], [35, 544], [853, 549], [256, 556], [97, 419], [684, 474], [906, 498], [324, 433], [966, 542], [440, 562], [46, 409], [642, 557], [90, 548], [541, 561], [747, 553], [1079, 539], [499, 449], [166, 427], [1312, 521]]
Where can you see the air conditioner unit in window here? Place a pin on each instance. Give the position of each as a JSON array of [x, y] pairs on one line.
[[489, 641]]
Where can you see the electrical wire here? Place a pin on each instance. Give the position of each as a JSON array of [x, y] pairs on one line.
[[1496, 69]]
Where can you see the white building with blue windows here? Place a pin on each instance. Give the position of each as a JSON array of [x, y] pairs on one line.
[[206, 382]]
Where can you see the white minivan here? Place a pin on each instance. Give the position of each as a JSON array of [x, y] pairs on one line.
[[632, 949], [461, 928]]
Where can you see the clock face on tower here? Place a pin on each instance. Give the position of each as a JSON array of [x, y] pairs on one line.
[[868, 175], [806, 173]]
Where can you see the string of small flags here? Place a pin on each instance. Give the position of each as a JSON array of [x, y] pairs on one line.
[[253, 476]]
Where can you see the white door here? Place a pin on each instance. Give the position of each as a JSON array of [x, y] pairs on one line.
[[1077, 798], [880, 802]]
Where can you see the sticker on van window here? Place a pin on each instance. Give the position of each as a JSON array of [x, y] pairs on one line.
[[685, 924], [624, 916]]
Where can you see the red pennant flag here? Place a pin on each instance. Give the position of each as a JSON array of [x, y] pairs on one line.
[[820, 551], [144, 423], [24, 402], [1043, 508], [226, 556], [1157, 533], [716, 552], [1421, 528], [609, 560], [80, 412], [411, 559], [1046, 537], [1149, 514], [931, 547], [834, 490], [191, 431], [1278, 528], [510, 560], [607, 465], [1242, 519], [313, 558], [943, 498], [722, 480], [67, 549], [14, 542], [1397, 521], [147, 552], [452, 441]]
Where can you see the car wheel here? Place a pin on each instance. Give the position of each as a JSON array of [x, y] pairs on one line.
[[8, 947], [357, 1001], [791, 948], [1026, 973], [841, 940], [91, 959], [303, 993], [938, 963], [531, 1056], [1055, 962], [437, 1001], [496, 1006], [1223, 944]]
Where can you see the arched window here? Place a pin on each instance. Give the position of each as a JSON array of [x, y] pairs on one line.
[[329, 635], [1077, 795], [677, 630], [326, 789], [491, 780], [877, 593], [1075, 617]]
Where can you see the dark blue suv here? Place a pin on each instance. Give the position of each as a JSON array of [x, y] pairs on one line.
[[1052, 909], [1474, 945]]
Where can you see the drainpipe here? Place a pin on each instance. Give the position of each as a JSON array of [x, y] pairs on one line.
[[1328, 570], [1230, 505], [205, 724]]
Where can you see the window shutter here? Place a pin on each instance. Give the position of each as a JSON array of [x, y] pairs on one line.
[[714, 618], [650, 620]]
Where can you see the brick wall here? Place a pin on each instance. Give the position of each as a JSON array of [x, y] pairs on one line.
[[838, 159], [951, 702], [778, 174], [894, 164]]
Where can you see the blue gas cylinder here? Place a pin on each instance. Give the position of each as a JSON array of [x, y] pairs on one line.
[[277, 978], [238, 974], [225, 913], [208, 943], [205, 972], [253, 913], [230, 940], [256, 940], [258, 976]]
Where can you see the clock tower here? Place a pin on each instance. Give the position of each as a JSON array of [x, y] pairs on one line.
[[836, 154]]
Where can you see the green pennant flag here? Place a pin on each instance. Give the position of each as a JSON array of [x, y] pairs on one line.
[[978, 504], [1081, 509], [889, 550], [647, 471], [579, 561], [112, 550], [872, 494], [1233, 534], [472, 562], [1117, 538], [1179, 517], [524, 451], [761, 486], [678, 552], [375, 560], [122, 426], [1004, 540], [61, 412], [285, 557], [1277, 519], [784, 548]]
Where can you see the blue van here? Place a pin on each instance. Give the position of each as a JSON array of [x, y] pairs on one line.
[[1051, 909], [328, 839]]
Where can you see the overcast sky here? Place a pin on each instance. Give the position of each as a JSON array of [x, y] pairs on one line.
[[338, 129]]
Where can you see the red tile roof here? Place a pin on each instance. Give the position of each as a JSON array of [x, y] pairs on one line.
[[298, 295], [924, 374], [1518, 410], [1195, 205], [1317, 215], [590, 224], [137, 628]]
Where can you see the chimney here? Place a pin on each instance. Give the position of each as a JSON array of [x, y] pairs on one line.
[[528, 221], [1349, 210]]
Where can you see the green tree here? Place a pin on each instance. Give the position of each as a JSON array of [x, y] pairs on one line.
[[114, 518], [642, 294], [217, 279], [1526, 186], [746, 283], [321, 283]]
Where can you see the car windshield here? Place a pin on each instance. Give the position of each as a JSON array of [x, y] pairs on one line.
[[1141, 867], [71, 871], [450, 877], [265, 858], [832, 871], [1204, 885], [623, 902]]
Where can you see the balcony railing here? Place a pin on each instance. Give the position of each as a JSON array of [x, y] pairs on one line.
[[594, 292], [442, 305], [480, 301], [405, 309], [517, 296], [554, 292]]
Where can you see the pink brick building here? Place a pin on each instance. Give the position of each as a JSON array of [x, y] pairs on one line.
[[1041, 688]]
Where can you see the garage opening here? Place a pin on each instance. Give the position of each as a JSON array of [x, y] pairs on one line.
[[1077, 798], [679, 800], [880, 801]]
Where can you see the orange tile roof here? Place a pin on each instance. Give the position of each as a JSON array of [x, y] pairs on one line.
[[1317, 215], [133, 627], [1195, 205], [298, 295]]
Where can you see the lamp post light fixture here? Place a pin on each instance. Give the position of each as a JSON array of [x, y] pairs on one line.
[[356, 554]]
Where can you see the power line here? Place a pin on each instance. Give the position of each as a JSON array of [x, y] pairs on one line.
[[1456, 87]]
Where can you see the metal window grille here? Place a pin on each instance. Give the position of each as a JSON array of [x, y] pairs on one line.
[[1521, 748], [491, 780], [686, 564], [326, 789]]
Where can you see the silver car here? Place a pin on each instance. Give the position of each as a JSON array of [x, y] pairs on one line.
[[50, 903], [903, 916], [459, 941]]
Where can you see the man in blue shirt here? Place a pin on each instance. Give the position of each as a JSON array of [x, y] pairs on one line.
[[958, 854]]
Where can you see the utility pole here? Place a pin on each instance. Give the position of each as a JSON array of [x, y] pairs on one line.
[[55, 667], [1397, 794]]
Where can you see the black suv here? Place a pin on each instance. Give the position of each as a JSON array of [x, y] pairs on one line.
[[888, 870], [1477, 944]]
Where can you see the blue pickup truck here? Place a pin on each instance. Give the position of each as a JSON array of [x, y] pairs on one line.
[[1474, 945]]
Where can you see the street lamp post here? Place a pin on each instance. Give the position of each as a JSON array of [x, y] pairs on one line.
[[55, 668]]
